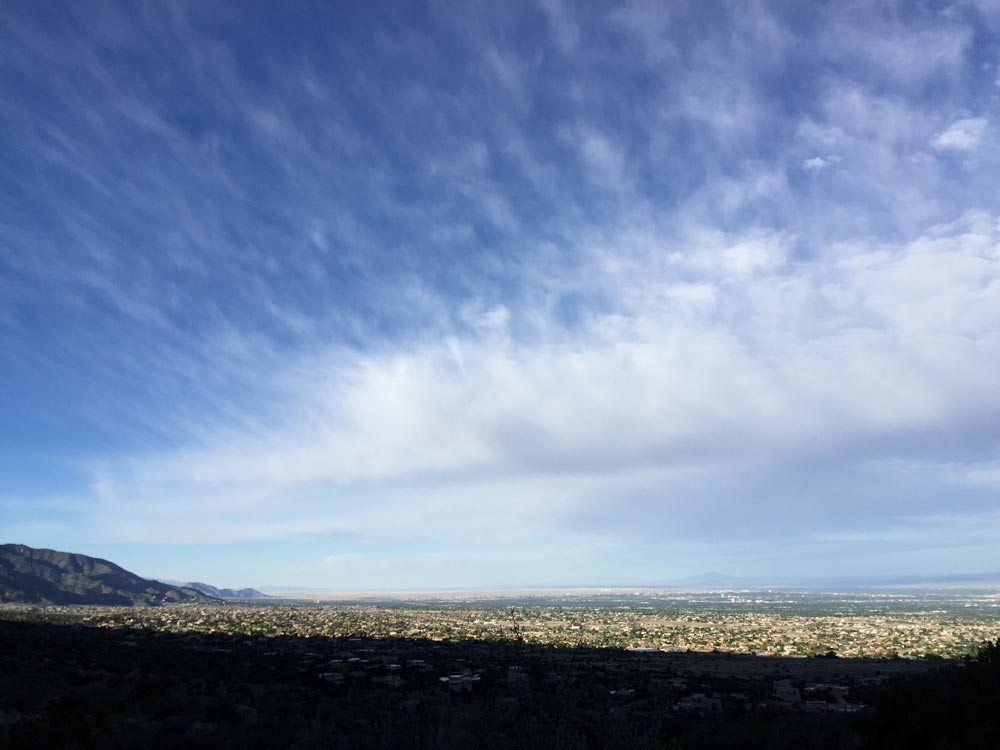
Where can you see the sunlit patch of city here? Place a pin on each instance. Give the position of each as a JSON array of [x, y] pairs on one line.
[[911, 625]]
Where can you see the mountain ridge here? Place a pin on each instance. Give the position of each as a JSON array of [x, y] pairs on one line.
[[222, 593], [31, 575]]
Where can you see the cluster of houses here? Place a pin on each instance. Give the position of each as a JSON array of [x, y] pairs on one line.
[[460, 682], [811, 697], [820, 698]]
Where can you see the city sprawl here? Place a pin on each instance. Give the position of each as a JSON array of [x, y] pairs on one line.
[[609, 669], [916, 624]]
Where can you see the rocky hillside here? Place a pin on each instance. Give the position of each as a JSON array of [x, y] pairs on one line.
[[45, 576]]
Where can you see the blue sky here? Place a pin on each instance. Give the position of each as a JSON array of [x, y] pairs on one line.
[[358, 295]]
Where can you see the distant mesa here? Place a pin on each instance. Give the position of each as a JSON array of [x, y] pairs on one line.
[[45, 576], [218, 593]]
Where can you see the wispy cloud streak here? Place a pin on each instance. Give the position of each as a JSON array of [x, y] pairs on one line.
[[546, 276]]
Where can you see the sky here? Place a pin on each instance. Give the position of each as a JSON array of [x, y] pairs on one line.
[[430, 294]]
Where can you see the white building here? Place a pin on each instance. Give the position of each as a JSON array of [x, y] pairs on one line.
[[460, 683]]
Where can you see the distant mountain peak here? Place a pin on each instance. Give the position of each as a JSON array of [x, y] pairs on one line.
[[219, 593]]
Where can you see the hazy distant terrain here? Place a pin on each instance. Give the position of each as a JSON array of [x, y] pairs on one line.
[[218, 593]]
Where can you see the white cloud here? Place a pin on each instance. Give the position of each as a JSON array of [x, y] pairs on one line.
[[987, 477], [816, 163], [409, 316], [730, 358], [962, 135]]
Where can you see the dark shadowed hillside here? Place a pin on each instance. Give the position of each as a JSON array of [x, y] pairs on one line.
[[45, 576]]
